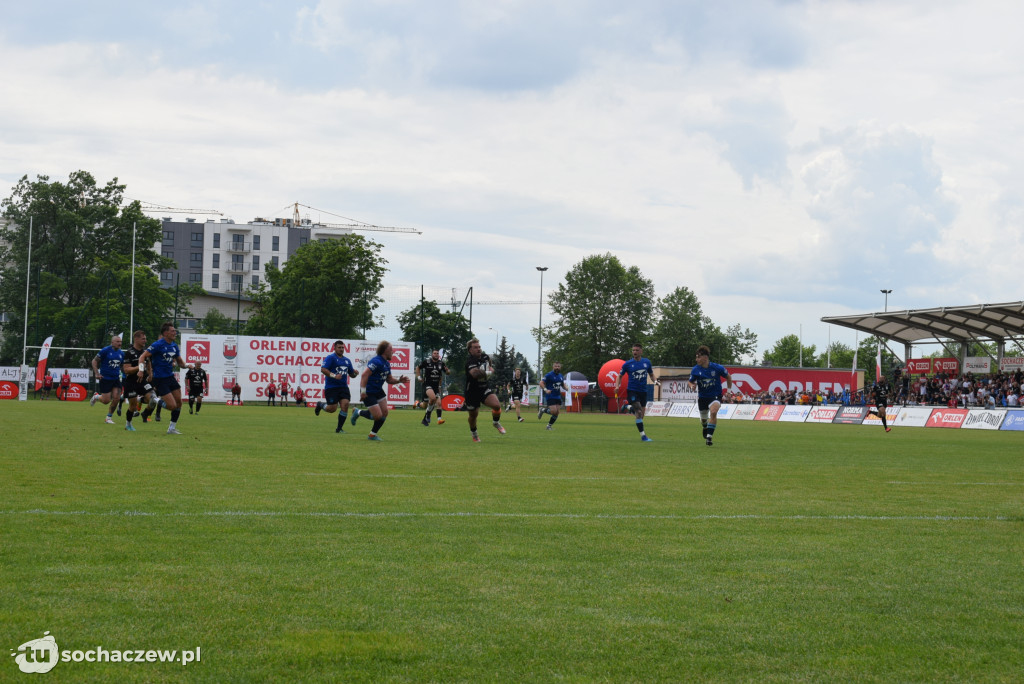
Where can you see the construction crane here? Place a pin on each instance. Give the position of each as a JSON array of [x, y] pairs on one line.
[[152, 207], [353, 225]]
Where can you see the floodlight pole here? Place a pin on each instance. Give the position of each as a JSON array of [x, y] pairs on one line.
[[540, 319], [23, 390], [886, 293]]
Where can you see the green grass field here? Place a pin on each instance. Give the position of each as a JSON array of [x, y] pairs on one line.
[[289, 553]]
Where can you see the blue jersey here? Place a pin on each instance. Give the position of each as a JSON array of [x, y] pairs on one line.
[[637, 372], [380, 369], [164, 353], [553, 384], [110, 363], [708, 380], [336, 364]]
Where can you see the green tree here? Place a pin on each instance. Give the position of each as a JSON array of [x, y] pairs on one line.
[[81, 266], [326, 289], [867, 356], [601, 309], [786, 353], [215, 323], [841, 356], [504, 363], [682, 327], [432, 329]]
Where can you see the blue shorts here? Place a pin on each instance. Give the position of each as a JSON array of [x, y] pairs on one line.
[[374, 398], [335, 395], [635, 396], [164, 386], [107, 384], [553, 401]]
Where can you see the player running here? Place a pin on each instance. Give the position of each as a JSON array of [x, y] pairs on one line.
[[374, 395], [638, 369], [477, 391], [337, 369], [106, 366], [706, 378], [430, 373], [517, 389], [165, 353], [552, 386], [198, 383], [880, 392], [133, 387]]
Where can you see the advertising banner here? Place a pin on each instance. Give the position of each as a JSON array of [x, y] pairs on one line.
[[255, 362], [677, 390], [681, 409], [982, 419], [946, 365], [850, 415], [1014, 420], [947, 418], [913, 416], [750, 380], [769, 412], [794, 414], [745, 411], [75, 392], [891, 414], [13, 374], [657, 408], [919, 366], [725, 411], [1011, 364], [822, 414], [979, 365], [452, 402], [8, 390]]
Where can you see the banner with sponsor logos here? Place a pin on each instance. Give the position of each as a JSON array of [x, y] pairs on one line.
[[891, 414], [754, 380], [769, 412], [657, 408], [977, 364], [1014, 420], [677, 390], [913, 416], [983, 419], [919, 367], [725, 411], [744, 411], [681, 409], [1011, 364], [255, 362], [794, 414], [947, 418], [822, 414], [13, 374], [9, 390], [947, 365], [850, 415]]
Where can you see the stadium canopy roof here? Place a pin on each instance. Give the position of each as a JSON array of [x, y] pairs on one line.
[[960, 323]]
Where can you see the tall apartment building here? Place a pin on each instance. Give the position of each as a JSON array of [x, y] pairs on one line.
[[227, 258]]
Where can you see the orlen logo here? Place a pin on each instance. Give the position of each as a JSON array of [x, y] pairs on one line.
[[452, 402], [74, 392], [197, 350], [8, 390], [400, 359], [740, 379], [399, 391], [947, 418]]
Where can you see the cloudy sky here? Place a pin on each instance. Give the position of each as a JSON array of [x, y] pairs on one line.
[[784, 160]]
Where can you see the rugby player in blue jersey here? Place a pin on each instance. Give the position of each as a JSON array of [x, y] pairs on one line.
[[106, 366], [375, 395], [164, 354], [337, 369], [552, 386], [706, 378], [638, 369]]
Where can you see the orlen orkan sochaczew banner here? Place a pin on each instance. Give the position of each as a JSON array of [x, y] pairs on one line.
[[257, 361]]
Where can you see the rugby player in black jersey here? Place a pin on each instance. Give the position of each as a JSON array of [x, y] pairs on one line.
[[477, 392], [136, 390], [198, 382], [880, 392], [430, 373], [517, 387]]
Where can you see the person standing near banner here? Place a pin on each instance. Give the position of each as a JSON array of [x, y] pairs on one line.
[[106, 367], [282, 390], [165, 354], [65, 385], [47, 385]]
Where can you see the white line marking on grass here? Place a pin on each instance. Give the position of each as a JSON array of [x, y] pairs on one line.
[[961, 484], [484, 477], [486, 514]]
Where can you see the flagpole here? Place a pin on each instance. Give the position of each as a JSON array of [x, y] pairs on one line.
[[131, 308], [23, 394]]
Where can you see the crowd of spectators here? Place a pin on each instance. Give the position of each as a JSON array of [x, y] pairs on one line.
[[995, 390]]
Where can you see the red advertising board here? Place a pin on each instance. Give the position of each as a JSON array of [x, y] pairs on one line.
[[197, 350], [919, 366], [452, 402], [770, 412], [947, 418], [400, 392], [750, 380], [946, 365], [74, 392], [8, 390]]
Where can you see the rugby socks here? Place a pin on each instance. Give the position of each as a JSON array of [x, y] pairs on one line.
[[640, 425], [426, 416], [377, 425], [199, 405], [438, 413], [191, 404], [552, 419], [365, 413], [704, 429], [710, 430], [131, 414], [496, 415], [174, 416], [342, 416]]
